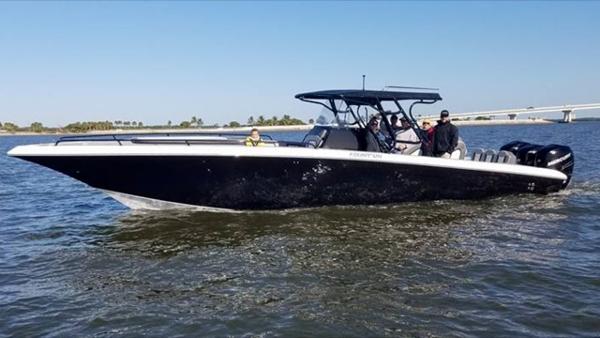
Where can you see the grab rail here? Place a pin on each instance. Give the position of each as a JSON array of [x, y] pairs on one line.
[[129, 137]]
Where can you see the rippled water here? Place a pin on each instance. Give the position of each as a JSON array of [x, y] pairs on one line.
[[74, 262]]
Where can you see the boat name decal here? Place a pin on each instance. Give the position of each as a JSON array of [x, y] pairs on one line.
[[365, 155]]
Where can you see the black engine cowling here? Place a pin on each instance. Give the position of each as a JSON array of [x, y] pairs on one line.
[[557, 157], [514, 146], [527, 154], [552, 156], [524, 151]]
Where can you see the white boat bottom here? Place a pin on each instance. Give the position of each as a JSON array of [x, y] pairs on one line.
[[144, 203]]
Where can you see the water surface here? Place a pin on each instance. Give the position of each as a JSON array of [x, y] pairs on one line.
[[73, 262]]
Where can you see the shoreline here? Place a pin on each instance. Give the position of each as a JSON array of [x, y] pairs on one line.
[[262, 129], [501, 122], [164, 130]]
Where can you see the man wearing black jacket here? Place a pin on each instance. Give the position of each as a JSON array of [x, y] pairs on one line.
[[446, 136]]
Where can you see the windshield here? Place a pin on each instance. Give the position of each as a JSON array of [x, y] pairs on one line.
[[344, 117], [347, 116]]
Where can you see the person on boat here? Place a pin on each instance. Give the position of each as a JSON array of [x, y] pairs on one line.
[[406, 138], [394, 127], [428, 132], [445, 138], [254, 139], [374, 136], [394, 123]]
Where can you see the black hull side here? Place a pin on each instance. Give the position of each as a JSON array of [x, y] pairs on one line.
[[277, 183]]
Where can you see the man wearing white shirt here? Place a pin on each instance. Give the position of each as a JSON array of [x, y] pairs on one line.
[[406, 139]]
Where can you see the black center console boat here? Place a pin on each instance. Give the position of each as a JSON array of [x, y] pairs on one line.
[[330, 167]]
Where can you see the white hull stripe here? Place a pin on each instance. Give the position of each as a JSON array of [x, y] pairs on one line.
[[111, 149]]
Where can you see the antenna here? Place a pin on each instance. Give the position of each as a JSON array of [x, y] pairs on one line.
[[364, 82], [402, 87]]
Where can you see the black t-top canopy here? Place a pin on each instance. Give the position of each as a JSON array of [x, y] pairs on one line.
[[357, 96]]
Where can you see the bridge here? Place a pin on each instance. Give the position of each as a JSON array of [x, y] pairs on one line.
[[567, 110]]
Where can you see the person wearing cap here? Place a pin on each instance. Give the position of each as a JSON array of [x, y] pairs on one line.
[[374, 136], [445, 138], [428, 132]]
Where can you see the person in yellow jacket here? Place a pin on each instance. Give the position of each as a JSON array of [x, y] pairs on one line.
[[254, 139]]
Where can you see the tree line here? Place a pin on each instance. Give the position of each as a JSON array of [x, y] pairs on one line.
[[286, 120], [193, 122]]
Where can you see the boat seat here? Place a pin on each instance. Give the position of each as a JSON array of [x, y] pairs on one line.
[[460, 152], [477, 154], [489, 155], [502, 156], [341, 139], [315, 140], [506, 157]]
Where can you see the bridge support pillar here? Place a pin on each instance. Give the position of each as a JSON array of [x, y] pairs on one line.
[[568, 116]]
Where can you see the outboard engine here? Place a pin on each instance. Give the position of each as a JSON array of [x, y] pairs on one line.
[[524, 151], [552, 156], [514, 146], [526, 155], [556, 157]]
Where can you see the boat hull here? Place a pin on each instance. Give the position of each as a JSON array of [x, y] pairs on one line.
[[259, 183]]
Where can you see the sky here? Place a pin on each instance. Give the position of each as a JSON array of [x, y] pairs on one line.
[[62, 62]]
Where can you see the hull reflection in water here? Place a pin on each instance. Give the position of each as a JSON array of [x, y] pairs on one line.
[[411, 224]]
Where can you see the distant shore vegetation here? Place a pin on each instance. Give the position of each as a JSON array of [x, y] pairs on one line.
[[194, 122]]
